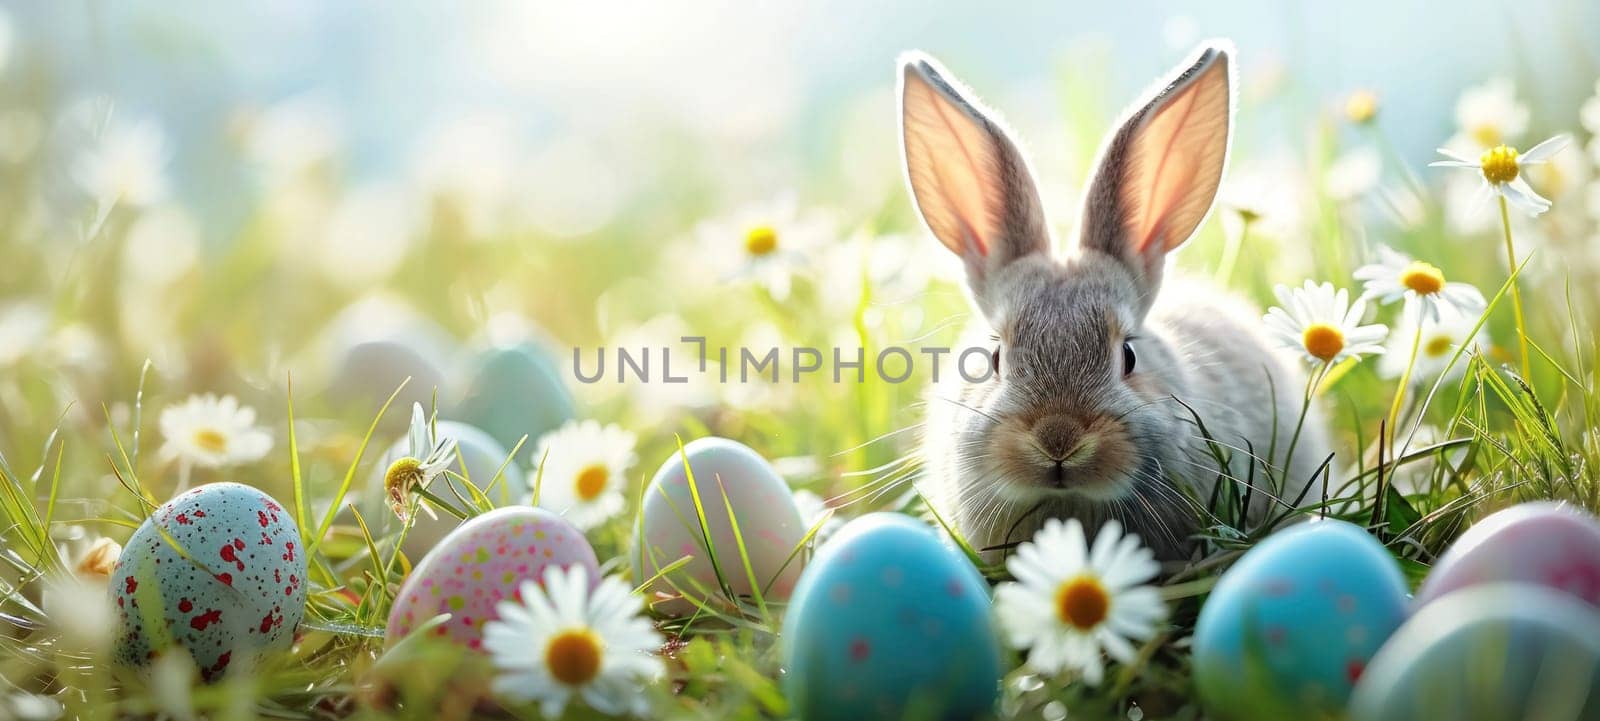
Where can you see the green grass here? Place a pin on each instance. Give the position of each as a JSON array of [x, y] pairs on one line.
[[78, 440]]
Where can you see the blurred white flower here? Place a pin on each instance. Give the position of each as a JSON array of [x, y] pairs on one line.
[[896, 265], [573, 186], [126, 165], [470, 162], [30, 707], [161, 245], [368, 235], [1396, 276], [1322, 324], [1353, 174], [563, 638], [23, 328], [1073, 602], [79, 608], [1589, 113], [292, 136], [1488, 115], [765, 243], [585, 471], [1501, 168], [213, 432], [1441, 338]]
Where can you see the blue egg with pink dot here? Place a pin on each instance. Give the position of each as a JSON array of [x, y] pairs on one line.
[[1289, 630], [889, 622]]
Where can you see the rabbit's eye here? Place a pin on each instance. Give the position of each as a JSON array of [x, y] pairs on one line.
[[1127, 358], [994, 361]]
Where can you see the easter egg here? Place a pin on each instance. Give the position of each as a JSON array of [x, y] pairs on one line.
[[726, 473], [1290, 628], [482, 563], [236, 589], [483, 456], [887, 623], [375, 346], [1488, 653], [1541, 543], [515, 391]]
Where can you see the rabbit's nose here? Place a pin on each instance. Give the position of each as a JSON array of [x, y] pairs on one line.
[[1060, 437]]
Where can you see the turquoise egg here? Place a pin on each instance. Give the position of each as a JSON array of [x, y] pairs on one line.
[[515, 391], [237, 589], [889, 623], [1290, 628], [1496, 652], [483, 456]]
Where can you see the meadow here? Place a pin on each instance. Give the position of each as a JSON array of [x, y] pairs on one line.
[[119, 305]]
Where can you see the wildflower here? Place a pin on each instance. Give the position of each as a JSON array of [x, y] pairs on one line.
[[1353, 174], [566, 639], [1071, 602], [126, 167], [584, 471], [1397, 276], [427, 457], [1488, 115], [213, 432], [1323, 324], [1361, 107], [98, 560], [765, 244], [1440, 339], [1502, 168]]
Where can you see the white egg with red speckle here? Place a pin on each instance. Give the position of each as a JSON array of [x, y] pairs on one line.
[[482, 563], [1542, 543], [726, 474], [235, 590]]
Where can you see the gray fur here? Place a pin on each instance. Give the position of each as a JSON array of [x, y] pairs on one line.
[[1062, 432]]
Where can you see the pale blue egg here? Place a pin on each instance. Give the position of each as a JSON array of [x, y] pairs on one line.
[[1290, 628], [483, 456], [237, 589], [889, 623], [1496, 652], [515, 391]]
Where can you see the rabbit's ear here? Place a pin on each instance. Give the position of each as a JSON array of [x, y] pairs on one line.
[[968, 179], [1159, 173]]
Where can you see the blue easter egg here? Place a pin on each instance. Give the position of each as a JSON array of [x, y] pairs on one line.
[[1289, 630], [889, 623], [235, 591], [1495, 652], [516, 391]]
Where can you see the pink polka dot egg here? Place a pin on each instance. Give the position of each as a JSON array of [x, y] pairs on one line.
[[1542, 543], [482, 563]]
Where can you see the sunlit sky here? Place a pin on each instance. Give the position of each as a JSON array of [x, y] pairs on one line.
[[770, 79]]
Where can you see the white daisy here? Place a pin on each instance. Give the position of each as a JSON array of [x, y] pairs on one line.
[[1323, 324], [765, 243], [1441, 337], [1502, 169], [427, 457], [1070, 601], [127, 165], [1396, 276], [584, 472], [1488, 115], [566, 640], [213, 432]]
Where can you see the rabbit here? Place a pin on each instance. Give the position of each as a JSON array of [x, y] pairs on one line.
[[1089, 408]]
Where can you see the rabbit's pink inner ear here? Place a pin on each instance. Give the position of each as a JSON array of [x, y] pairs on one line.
[[1175, 165], [950, 163]]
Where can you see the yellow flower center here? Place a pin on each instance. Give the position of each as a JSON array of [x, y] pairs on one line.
[[1499, 164], [1437, 346], [211, 439], [1486, 135], [1323, 341], [1361, 107], [1082, 603], [573, 657], [761, 240], [591, 482], [397, 481], [100, 560], [1422, 278]]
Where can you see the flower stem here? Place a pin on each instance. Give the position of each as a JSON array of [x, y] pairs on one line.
[[1305, 407], [1405, 381], [1516, 295], [1230, 254]]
